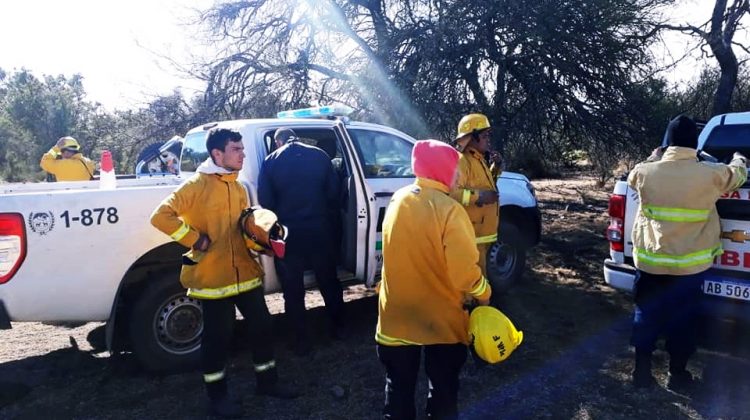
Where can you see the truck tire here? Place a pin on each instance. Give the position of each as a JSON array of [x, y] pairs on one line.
[[506, 259], [166, 326]]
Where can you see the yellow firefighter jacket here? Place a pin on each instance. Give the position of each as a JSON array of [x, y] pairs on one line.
[[473, 175], [676, 230], [210, 203], [77, 168], [429, 263]]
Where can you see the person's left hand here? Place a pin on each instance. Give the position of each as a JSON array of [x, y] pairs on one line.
[[496, 157]]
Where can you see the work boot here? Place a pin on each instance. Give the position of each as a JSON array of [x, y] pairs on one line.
[[642, 377], [220, 402], [277, 390], [680, 381], [268, 385], [225, 407]]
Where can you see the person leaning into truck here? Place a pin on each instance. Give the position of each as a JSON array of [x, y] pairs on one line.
[[298, 183], [66, 163], [430, 262], [203, 214], [476, 188], [676, 235]]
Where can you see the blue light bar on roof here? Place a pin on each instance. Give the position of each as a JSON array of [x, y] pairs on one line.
[[316, 112]]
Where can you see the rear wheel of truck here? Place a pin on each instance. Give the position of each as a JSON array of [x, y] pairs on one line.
[[506, 258], [166, 326]]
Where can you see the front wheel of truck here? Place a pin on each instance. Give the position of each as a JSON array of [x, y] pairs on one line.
[[166, 326], [506, 259]]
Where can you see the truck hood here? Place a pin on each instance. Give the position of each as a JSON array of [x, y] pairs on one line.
[[514, 176]]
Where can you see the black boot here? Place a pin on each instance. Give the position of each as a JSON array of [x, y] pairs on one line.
[[268, 385], [220, 403], [642, 377], [679, 379]]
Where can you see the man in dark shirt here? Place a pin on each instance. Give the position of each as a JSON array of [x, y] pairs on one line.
[[307, 171]]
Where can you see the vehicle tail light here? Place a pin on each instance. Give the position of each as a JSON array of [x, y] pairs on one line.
[[616, 228], [12, 244]]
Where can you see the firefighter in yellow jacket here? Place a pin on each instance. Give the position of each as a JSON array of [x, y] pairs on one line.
[[476, 188], [430, 262], [66, 162], [676, 236], [203, 214]]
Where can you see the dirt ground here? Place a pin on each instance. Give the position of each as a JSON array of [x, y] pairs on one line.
[[574, 361]]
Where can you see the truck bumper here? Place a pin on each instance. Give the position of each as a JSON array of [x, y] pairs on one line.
[[622, 277], [4, 317], [619, 276]]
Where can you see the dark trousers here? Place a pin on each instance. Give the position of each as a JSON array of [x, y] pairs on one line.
[[218, 322], [442, 364], [666, 305], [309, 248]]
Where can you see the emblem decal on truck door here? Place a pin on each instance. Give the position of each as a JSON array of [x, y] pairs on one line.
[[41, 223]]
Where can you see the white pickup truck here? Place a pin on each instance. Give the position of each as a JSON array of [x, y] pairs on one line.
[[74, 252], [726, 286]]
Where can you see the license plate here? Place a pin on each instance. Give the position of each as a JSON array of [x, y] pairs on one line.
[[727, 290]]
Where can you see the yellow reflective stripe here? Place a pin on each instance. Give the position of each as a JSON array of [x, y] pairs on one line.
[[265, 366], [678, 261], [487, 239], [674, 214], [742, 178], [226, 291], [390, 341], [466, 197], [213, 377], [480, 288], [181, 232]]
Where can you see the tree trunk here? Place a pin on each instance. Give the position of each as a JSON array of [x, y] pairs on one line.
[[727, 82]]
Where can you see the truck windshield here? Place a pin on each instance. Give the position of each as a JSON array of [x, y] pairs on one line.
[[194, 151], [383, 155], [724, 140]]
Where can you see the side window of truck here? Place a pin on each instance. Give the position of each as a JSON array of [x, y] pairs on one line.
[[383, 155], [323, 138], [193, 152]]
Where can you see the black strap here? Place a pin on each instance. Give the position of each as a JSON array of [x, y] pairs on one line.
[[91, 176]]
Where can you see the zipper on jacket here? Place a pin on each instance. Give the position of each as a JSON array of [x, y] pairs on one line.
[[231, 244]]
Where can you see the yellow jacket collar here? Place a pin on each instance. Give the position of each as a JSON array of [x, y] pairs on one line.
[[679, 153], [230, 177], [429, 183], [474, 152]]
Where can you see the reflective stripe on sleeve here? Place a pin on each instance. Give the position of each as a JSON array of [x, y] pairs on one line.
[[678, 261], [674, 214], [262, 367], [390, 341], [466, 197], [181, 232], [742, 178], [213, 377], [480, 288], [226, 291], [487, 239]]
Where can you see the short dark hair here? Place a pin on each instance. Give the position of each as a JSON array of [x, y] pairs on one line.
[[683, 132], [219, 137], [284, 134]]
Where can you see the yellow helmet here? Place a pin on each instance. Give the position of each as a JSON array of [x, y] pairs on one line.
[[262, 231], [70, 143], [471, 123], [492, 334]]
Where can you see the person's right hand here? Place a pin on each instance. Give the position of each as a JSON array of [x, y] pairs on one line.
[[202, 243], [487, 197]]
